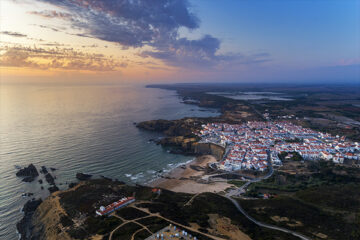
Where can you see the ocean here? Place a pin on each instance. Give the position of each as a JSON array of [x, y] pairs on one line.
[[81, 128]]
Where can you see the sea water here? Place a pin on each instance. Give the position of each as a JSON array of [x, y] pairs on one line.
[[81, 128]]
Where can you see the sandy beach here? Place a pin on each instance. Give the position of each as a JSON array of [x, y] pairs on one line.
[[190, 178]]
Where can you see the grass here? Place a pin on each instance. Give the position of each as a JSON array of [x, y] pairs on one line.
[[313, 219], [143, 234], [342, 197], [327, 200], [101, 225], [154, 224], [320, 174], [171, 205], [125, 232], [130, 213]]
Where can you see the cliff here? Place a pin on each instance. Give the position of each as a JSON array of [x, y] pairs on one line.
[[180, 136], [209, 148], [179, 133], [47, 220], [70, 214], [182, 127]]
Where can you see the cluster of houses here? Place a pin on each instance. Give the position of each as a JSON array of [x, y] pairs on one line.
[[252, 144]]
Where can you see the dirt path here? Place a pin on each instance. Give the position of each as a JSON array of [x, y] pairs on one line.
[[112, 232], [143, 227], [133, 236], [177, 224], [128, 221], [191, 199]]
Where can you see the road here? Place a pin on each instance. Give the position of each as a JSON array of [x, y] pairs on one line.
[[150, 214], [242, 189], [237, 205]]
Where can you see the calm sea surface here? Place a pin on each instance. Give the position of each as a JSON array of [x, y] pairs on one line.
[[80, 129]]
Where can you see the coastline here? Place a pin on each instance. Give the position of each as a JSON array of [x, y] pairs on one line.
[[190, 178]]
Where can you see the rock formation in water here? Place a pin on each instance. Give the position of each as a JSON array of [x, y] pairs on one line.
[[29, 173], [83, 176], [43, 170], [50, 179]]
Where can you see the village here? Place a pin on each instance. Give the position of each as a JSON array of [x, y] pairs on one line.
[[255, 145]]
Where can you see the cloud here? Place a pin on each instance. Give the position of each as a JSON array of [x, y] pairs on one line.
[[13, 34], [54, 44], [139, 23], [48, 27], [152, 23], [13, 57], [184, 52], [132, 23], [201, 53], [51, 14], [57, 58]]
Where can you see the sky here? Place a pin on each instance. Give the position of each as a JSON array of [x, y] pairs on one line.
[[156, 41]]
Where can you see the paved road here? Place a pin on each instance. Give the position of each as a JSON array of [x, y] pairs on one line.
[[242, 189], [237, 205]]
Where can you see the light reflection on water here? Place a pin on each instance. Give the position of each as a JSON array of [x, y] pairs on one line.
[[80, 129]]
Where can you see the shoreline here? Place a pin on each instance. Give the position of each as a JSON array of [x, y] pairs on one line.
[[165, 172], [190, 178]]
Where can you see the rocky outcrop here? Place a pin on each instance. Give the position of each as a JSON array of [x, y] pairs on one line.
[[30, 173], [28, 179], [23, 226], [180, 133], [53, 188], [83, 176], [156, 125], [46, 221], [65, 214], [50, 179], [183, 127], [43, 170], [181, 144], [209, 148]]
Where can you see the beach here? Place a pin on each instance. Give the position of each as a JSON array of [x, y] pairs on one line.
[[190, 178]]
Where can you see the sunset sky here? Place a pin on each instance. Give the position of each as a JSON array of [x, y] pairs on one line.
[[179, 41]]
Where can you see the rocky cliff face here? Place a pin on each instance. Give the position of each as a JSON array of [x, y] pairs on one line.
[[181, 144], [70, 214], [209, 148], [180, 133], [180, 136], [23, 226], [156, 125], [46, 222], [182, 127]]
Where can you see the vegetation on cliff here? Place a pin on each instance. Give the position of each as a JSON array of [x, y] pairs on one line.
[[70, 214]]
